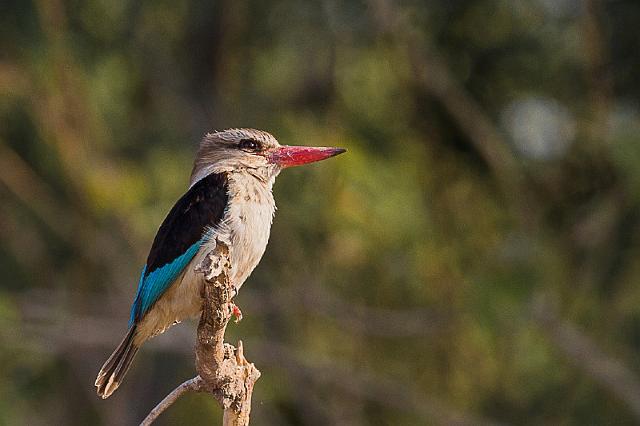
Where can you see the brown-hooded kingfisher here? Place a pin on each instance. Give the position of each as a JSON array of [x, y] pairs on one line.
[[229, 199]]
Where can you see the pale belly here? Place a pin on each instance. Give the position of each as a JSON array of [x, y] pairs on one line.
[[181, 301], [248, 241]]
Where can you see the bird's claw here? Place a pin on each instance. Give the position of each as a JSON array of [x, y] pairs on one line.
[[236, 312]]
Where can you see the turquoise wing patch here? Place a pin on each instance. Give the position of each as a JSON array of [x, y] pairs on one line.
[[152, 285]]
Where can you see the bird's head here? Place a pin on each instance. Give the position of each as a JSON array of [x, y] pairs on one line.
[[252, 151]]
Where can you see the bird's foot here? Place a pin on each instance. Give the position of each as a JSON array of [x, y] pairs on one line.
[[236, 312]]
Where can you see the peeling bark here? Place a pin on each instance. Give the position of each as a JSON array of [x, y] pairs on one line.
[[223, 371]]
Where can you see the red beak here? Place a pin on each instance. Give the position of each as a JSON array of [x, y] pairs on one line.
[[289, 156]]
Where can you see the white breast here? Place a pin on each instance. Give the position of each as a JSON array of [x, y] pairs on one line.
[[246, 227], [247, 224]]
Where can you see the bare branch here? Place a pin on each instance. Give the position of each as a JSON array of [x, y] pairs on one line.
[[223, 370], [190, 385]]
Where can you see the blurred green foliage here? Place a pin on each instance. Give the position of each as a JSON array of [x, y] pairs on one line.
[[469, 261]]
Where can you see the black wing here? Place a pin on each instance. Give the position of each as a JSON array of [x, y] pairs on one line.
[[179, 239], [201, 207]]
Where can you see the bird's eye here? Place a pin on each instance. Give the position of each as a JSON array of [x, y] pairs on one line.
[[250, 145]]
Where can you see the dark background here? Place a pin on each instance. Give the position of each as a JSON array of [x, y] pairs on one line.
[[471, 260]]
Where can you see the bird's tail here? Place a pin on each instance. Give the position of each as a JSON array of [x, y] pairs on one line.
[[113, 371]]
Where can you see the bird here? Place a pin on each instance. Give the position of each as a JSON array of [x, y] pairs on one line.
[[229, 199]]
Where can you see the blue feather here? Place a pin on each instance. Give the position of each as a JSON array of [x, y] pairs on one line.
[[154, 284]]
